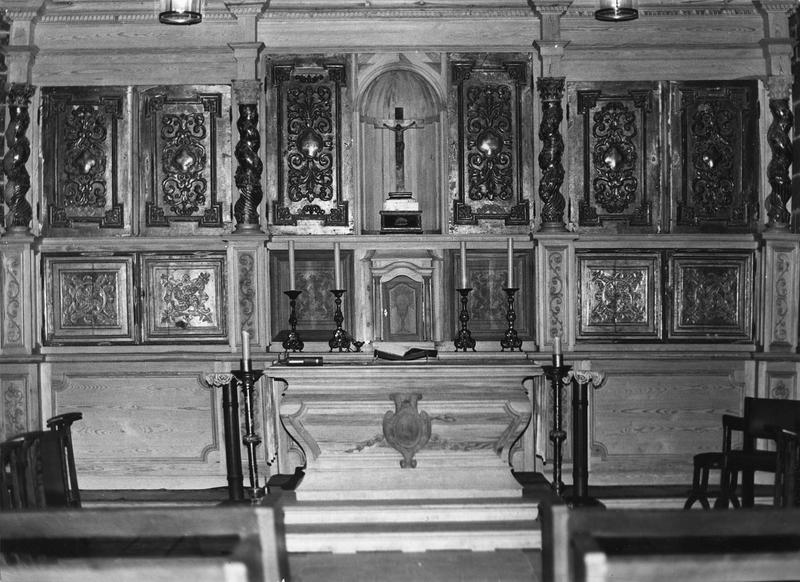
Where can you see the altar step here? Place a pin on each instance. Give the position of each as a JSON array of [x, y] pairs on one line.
[[412, 525]]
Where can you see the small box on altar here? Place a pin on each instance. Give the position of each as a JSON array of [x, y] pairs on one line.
[[401, 214], [401, 221]]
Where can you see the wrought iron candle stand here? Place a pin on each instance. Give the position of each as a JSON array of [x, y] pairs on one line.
[[293, 343], [463, 340], [247, 377], [580, 380], [510, 340], [555, 373], [340, 339]]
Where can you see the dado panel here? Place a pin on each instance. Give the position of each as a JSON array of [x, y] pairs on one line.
[[144, 424], [650, 418]]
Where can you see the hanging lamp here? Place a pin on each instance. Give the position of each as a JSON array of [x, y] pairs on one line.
[[180, 12], [616, 11]]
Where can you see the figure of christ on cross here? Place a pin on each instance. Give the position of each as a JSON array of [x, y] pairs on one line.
[[399, 127]]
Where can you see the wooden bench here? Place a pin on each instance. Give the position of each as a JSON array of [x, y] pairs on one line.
[[219, 543], [635, 545]]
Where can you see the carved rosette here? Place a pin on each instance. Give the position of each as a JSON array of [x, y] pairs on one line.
[[250, 166], [551, 90], [18, 181], [407, 430], [778, 174]]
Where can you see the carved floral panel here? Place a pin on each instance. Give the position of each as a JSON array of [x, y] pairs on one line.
[[185, 149], [614, 136], [88, 299], [620, 296], [716, 131], [84, 132], [309, 110], [185, 297], [489, 98], [712, 296]]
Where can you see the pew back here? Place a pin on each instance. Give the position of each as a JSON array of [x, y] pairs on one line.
[[660, 544], [253, 536]]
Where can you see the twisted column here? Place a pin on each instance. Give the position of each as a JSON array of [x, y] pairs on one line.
[[551, 90], [250, 166], [780, 144], [18, 150]]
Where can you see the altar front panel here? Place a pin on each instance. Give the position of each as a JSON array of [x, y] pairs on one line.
[[331, 420]]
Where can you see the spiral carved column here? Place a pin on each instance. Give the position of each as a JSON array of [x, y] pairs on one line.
[[780, 144], [250, 166], [18, 150], [551, 90]]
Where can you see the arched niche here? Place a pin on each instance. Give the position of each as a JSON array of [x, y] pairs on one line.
[[399, 104]]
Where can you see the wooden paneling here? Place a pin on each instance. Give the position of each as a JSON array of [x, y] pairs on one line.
[[145, 424], [650, 418]]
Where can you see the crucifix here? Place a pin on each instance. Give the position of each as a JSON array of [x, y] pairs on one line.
[[399, 126]]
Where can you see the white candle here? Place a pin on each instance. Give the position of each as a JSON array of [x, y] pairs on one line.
[[245, 350], [558, 358], [337, 268], [463, 265], [510, 263], [291, 265]]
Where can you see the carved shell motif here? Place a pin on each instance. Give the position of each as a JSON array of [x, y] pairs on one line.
[[406, 429]]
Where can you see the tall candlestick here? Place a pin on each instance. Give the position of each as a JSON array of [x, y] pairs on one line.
[[463, 265], [245, 350], [337, 269], [291, 265], [510, 263]]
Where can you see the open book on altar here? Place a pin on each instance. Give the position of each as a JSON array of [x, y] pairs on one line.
[[405, 351]]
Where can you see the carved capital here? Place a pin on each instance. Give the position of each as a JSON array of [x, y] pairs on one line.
[[20, 94], [246, 91], [779, 86], [585, 377], [218, 380], [551, 88]]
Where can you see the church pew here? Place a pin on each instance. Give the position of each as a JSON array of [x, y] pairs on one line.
[[129, 570], [252, 536], [641, 544]]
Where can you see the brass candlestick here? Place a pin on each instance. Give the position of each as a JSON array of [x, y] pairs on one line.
[[511, 340], [463, 340], [340, 339], [293, 343]]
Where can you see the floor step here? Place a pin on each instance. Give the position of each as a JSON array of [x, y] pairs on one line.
[[412, 525], [414, 537], [447, 510]]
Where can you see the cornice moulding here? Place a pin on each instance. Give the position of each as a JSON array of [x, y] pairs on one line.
[[387, 13]]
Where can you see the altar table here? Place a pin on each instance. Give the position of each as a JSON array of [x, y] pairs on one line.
[[444, 428]]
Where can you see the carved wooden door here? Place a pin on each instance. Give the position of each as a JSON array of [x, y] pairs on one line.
[[403, 309]]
